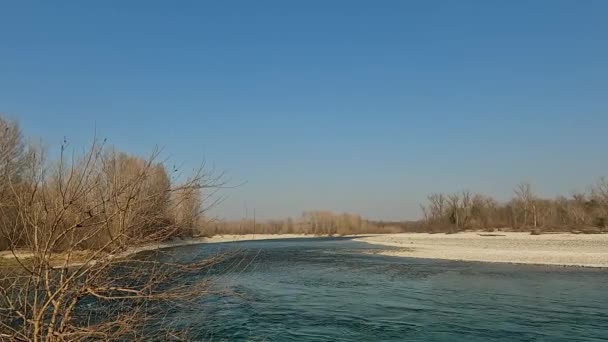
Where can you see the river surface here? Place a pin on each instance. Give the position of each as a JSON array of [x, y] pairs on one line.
[[335, 289]]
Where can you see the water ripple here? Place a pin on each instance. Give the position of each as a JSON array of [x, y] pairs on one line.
[[334, 291]]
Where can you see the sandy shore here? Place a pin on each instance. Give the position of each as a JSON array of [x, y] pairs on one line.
[[522, 248]]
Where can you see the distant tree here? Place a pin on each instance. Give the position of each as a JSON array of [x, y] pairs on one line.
[[526, 199], [599, 194]]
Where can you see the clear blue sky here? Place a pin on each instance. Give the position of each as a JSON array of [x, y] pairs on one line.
[[359, 106]]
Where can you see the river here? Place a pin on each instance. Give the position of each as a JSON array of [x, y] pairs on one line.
[[335, 289]]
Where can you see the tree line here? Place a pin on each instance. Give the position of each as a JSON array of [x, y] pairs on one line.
[[310, 223], [99, 197], [581, 212]]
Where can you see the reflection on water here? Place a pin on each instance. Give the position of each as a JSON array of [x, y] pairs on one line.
[[330, 290]]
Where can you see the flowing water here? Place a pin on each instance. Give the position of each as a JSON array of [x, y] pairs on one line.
[[339, 290]]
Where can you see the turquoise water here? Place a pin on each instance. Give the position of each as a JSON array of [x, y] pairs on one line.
[[334, 290]]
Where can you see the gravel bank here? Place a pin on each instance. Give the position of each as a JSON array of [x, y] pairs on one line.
[[522, 248]]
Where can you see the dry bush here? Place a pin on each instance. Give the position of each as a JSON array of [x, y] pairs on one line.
[[67, 224], [187, 212]]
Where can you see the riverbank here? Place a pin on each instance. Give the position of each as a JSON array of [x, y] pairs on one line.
[[506, 247], [7, 258], [213, 239]]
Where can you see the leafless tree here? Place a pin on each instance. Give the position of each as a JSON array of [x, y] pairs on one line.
[[582, 212], [526, 199], [599, 194], [67, 225]]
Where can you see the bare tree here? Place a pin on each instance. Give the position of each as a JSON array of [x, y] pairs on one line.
[[435, 211], [526, 199], [454, 210], [188, 208], [599, 194], [13, 157], [69, 224], [583, 212]]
